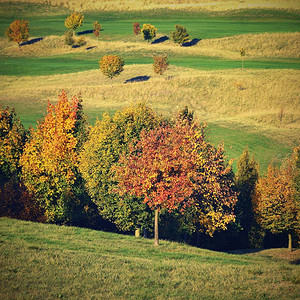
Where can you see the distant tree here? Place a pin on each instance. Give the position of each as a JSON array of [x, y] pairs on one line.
[[69, 38], [149, 32], [74, 21], [50, 163], [136, 28], [180, 36], [274, 201], [97, 29], [12, 139], [107, 140], [18, 31], [245, 181], [111, 65], [165, 168], [160, 64], [243, 53]]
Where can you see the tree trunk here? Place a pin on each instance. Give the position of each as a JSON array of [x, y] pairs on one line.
[[156, 228], [137, 232], [290, 247]]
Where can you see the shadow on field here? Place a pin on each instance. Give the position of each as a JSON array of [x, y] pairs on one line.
[[160, 40], [137, 79], [32, 41], [295, 262], [85, 32], [243, 251], [193, 42], [89, 48]]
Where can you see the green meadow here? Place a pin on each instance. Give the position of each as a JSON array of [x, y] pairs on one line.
[[56, 262]]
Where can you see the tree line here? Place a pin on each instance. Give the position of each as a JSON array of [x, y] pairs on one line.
[[137, 170]]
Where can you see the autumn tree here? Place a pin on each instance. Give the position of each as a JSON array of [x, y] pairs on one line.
[[50, 163], [107, 140], [180, 36], [243, 54], [74, 21], [136, 28], [18, 31], [111, 65], [97, 29], [274, 201], [12, 139], [246, 178], [173, 168], [149, 32], [160, 64]]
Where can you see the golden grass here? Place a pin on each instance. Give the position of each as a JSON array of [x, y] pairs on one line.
[[266, 45], [211, 5], [251, 97]]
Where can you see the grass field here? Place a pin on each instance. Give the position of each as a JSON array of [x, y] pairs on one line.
[[50, 262], [241, 107]]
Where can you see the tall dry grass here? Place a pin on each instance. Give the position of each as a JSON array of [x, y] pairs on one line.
[[265, 45], [127, 5], [254, 97]]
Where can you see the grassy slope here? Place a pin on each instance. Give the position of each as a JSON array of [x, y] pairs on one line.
[[29, 94], [48, 262]]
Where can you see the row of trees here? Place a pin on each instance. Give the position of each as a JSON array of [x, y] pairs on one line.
[[135, 167]]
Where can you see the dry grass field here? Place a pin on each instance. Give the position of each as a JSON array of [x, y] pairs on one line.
[[210, 5]]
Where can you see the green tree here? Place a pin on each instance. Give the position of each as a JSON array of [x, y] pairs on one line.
[[149, 32], [180, 36], [246, 178], [111, 65], [74, 21], [18, 31], [107, 140]]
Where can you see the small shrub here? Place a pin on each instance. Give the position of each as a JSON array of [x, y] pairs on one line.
[[18, 31], [149, 32], [97, 29], [69, 39], [74, 21], [160, 64], [111, 65], [136, 28], [81, 42], [180, 36]]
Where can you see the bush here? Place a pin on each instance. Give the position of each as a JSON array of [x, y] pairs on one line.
[[74, 21], [69, 40], [136, 28], [111, 65], [180, 36], [81, 42], [160, 64], [18, 31], [148, 32], [97, 29]]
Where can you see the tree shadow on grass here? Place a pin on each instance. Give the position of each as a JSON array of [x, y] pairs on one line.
[[32, 41], [89, 48], [193, 42], [160, 40], [85, 32], [137, 79]]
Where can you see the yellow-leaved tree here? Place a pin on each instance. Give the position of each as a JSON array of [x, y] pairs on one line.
[[50, 162]]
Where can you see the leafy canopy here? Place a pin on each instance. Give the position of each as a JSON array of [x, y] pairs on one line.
[[149, 32], [74, 21], [111, 65], [18, 31], [180, 36]]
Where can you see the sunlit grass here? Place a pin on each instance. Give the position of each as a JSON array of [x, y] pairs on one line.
[[51, 262]]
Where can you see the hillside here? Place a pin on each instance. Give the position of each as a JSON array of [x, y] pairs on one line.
[[41, 261]]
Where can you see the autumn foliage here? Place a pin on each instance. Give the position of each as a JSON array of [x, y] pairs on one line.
[[180, 36], [149, 32], [111, 65], [49, 162], [74, 21], [274, 201], [18, 31], [160, 64], [173, 168], [136, 28], [97, 29]]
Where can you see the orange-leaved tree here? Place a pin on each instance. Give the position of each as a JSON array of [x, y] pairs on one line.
[[165, 168], [18, 31], [160, 64], [50, 161], [274, 201]]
